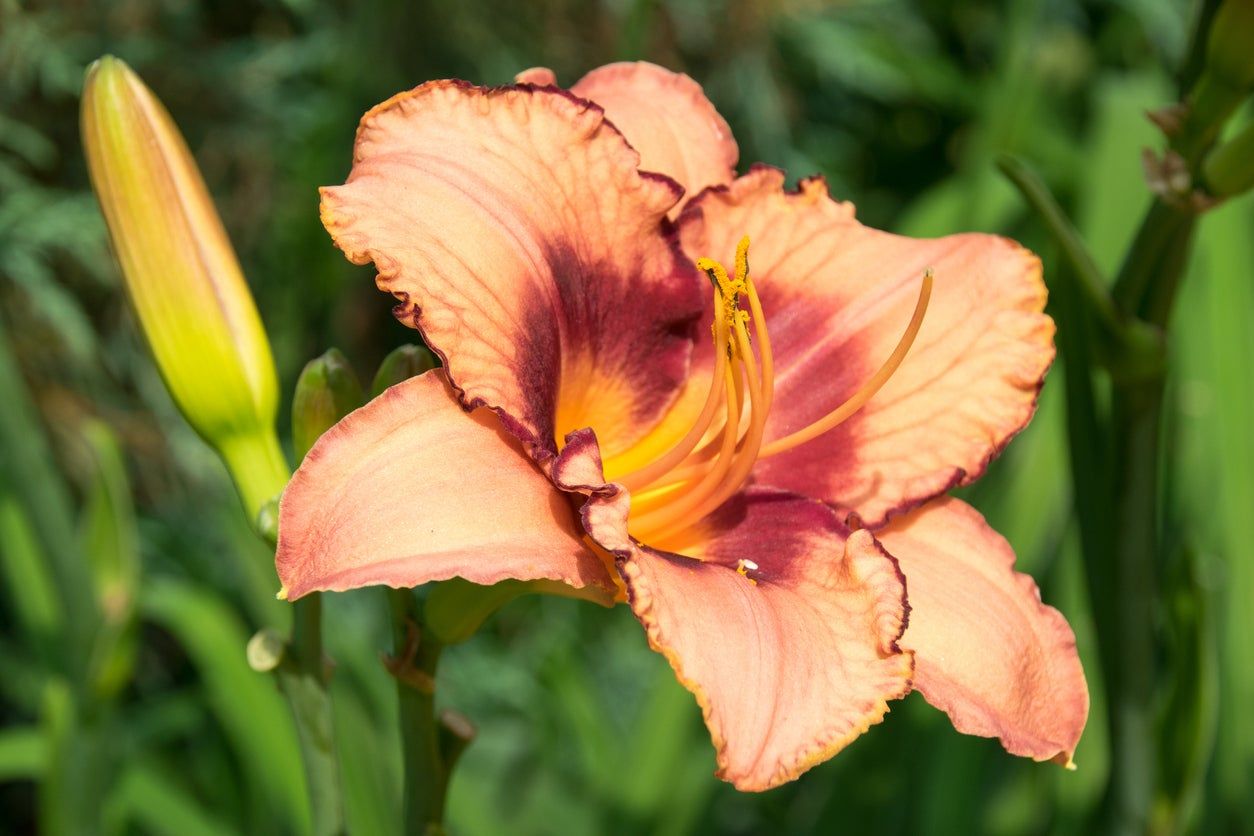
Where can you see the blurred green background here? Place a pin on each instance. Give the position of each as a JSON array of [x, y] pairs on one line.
[[903, 105]]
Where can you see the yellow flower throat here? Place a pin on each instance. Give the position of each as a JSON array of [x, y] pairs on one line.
[[715, 457]]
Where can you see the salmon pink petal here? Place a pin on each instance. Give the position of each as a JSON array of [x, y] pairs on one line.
[[534, 257], [410, 489], [783, 625], [837, 297], [987, 651], [539, 76], [667, 118]]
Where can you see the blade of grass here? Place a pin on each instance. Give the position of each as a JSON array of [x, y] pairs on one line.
[[28, 584], [28, 472], [251, 711], [23, 754], [149, 796]]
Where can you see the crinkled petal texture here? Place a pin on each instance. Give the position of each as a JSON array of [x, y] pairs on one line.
[[664, 115], [987, 651], [410, 489], [791, 660], [837, 297], [667, 118], [534, 257]]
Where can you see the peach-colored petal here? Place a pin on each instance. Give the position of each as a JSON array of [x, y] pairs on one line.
[[410, 489], [539, 76], [987, 651], [791, 660], [521, 239], [667, 118], [837, 296]]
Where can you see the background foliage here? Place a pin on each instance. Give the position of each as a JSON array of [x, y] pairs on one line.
[[903, 105]]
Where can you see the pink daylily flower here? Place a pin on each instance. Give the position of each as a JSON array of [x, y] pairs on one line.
[[754, 458]]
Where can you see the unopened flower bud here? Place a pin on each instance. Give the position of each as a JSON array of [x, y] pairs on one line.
[[326, 391], [402, 364], [1229, 169], [1228, 50], [182, 276], [1227, 77]]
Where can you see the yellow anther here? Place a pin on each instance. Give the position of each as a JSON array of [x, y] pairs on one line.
[[717, 274], [716, 456], [742, 260]]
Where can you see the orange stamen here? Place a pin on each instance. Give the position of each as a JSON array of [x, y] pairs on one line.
[[715, 457], [668, 461], [856, 401]]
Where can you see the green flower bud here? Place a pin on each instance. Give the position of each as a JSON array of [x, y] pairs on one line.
[[182, 276], [1229, 169], [326, 391], [402, 364], [1228, 53], [1227, 78]]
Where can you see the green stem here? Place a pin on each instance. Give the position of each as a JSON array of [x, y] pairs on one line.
[[1136, 415], [1164, 228], [260, 473], [302, 677], [414, 664], [1195, 55], [1090, 286], [1088, 447], [258, 468]]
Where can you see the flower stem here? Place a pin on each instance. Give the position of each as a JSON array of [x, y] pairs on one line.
[[1136, 416], [257, 467], [416, 657], [302, 678], [260, 472]]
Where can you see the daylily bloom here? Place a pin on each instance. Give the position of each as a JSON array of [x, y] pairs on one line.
[[751, 452]]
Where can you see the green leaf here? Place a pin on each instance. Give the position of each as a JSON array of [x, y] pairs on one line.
[[23, 754], [151, 797], [110, 542], [28, 581], [247, 704]]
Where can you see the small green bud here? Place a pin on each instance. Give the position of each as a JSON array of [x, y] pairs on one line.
[[1229, 169], [1226, 79], [402, 364], [267, 522], [265, 650], [326, 391], [1228, 51]]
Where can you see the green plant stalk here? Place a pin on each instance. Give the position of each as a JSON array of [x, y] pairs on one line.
[[1117, 494], [302, 678], [1165, 227], [257, 468], [1136, 419], [1088, 448], [416, 657], [1150, 284], [256, 464], [1195, 58]]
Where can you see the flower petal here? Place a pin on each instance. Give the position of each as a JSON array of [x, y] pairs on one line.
[[790, 661], [837, 297], [522, 241], [987, 651], [410, 489], [667, 118], [539, 76]]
